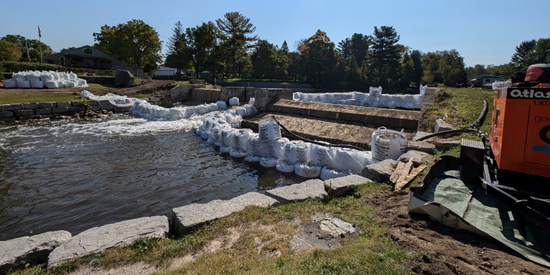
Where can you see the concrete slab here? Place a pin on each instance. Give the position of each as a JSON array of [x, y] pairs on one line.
[[118, 234], [18, 252], [309, 189], [340, 186], [188, 217]]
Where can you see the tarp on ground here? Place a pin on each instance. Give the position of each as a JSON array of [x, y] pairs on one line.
[[467, 207]]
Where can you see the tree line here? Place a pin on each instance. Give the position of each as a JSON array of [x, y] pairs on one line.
[[229, 48]]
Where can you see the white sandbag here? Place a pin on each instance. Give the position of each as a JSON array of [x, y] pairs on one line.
[[388, 144], [237, 153], [10, 83], [19, 77], [202, 109], [269, 131], [252, 158], [241, 111], [234, 101], [302, 151], [306, 171], [249, 109], [252, 101], [23, 84], [373, 91], [289, 154], [176, 113], [327, 173], [279, 148], [82, 82], [228, 137], [37, 84], [242, 138], [268, 162], [221, 105], [423, 89], [284, 167], [347, 159], [297, 96], [32, 77], [322, 156]]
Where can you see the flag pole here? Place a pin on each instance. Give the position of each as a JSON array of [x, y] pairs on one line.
[[40, 43]]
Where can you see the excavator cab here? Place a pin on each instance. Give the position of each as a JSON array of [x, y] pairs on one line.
[[540, 72]]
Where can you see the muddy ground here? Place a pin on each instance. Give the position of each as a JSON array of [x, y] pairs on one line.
[[432, 248]]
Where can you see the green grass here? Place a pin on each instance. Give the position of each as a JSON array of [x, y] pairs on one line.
[[11, 99]]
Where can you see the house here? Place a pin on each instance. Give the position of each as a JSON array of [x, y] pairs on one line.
[[485, 80], [166, 71], [86, 56]]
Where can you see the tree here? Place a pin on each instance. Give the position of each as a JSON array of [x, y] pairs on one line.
[[9, 51], [202, 46], [134, 43], [386, 57], [445, 67], [356, 46], [234, 33], [34, 46], [263, 60], [318, 59], [178, 55], [524, 55]]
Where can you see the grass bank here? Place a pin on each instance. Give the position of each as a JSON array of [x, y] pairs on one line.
[[258, 240]]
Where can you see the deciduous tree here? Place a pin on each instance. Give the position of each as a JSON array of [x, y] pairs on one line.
[[9, 51], [203, 47]]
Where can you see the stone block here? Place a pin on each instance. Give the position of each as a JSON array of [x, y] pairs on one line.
[[186, 218], [77, 109], [43, 111], [13, 107], [421, 146], [441, 126], [6, 114], [60, 110], [94, 103], [30, 105], [24, 112], [118, 234], [340, 186], [380, 171], [76, 103], [180, 93], [95, 108], [18, 252], [63, 104], [417, 157], [309, 189], [47, 105]]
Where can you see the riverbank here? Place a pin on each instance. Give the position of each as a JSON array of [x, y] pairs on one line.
[[259, 240]]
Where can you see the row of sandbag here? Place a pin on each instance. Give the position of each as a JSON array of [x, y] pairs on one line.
[[44, 79], [374, 98], [267, 147], [150, 111]]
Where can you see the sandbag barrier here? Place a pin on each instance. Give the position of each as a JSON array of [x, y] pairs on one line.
[[44, 79], [374, 98]]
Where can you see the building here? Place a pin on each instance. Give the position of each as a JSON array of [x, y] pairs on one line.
[[166, 71], [485, 80], [87, 57]]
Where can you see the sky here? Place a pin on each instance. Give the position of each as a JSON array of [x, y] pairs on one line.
[[482, 31]]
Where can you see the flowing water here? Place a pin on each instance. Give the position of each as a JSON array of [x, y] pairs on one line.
[[73, 175]]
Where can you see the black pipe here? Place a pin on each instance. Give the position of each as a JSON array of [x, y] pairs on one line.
[[317, 142], [471, 128]]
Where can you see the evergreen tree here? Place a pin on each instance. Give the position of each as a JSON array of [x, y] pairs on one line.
[[319, 59], [524, 55], [178, 55], [386, 57], [235, 40]]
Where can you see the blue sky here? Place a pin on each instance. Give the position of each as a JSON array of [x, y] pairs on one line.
[[482, 31]]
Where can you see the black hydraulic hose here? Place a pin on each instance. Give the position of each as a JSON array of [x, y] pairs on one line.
[[471, 128], [317, 142]]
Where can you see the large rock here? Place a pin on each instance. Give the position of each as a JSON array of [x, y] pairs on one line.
[[186, 218], [30, 249], [422, 146], [340, 186], [118, 234], [380, 171], [441, 126], [309, 189], [417, 157], [181, 93], [124, 78]]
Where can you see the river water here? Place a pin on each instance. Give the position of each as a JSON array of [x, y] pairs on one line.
[[73, 175]]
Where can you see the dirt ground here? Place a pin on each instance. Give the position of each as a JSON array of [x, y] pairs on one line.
[[437, 249], [432, 248]]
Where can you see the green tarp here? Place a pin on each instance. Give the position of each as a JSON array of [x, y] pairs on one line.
[[467, 207]]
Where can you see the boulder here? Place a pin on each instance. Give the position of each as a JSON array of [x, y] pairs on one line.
[[417, 157], [187, 217], [118, 234], [380, 171], [309, 189], [181, 93], [422, 146], [124, 78], [340, 186], [18, 252]]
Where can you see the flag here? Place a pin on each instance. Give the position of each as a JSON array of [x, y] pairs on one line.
[[39, 32]]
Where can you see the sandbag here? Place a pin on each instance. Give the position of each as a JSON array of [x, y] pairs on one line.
[[10, 83], [284, 167], [327, 173], [269, 131], [306, 171], [388, 144], [234, 101]]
